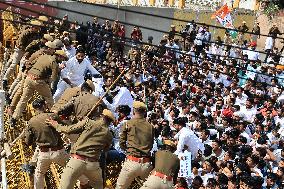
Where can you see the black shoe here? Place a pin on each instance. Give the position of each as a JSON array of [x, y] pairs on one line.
[[30, 169], [5, 85], [13, 122]]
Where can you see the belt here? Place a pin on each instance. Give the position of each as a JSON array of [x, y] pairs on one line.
[[46, 149], [84, 158], [33, 77], [139, 160], [162, 176]]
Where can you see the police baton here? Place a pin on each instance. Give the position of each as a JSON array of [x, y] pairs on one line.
[[107, 91]]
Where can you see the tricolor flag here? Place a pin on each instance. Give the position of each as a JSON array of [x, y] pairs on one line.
[[223, 16]]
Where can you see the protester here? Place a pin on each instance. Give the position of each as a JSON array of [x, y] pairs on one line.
[[218, 100]]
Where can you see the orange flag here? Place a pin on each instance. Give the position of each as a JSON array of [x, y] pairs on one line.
[[222, 12]]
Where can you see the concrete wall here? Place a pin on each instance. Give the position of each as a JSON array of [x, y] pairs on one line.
[[164, 24], [122, 16], [266, 24]]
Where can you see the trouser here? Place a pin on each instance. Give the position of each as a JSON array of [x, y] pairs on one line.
[[267, 55], [76, 168], [154, 182], [17, 93], [13, 62], [241, 38], [130, 170], [114, 156], [37, 155], [19, 77], [44, 161], [34, 159], [30, 86], [61, 87], [15, 83]]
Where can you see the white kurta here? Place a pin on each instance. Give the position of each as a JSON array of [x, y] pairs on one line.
[[187, 137], [75, 72]]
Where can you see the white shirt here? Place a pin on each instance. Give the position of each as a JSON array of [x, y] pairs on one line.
[[187, 137], [269, 43], [241, 100], [116, 131], [252, 55], [249, 114], [199, 39], [75, 71], [70, 52]]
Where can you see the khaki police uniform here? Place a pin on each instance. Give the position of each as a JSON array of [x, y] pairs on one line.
[[17, 91], [136, 138], [166, 165], [82, 104], [50, 146], [38, 78], [68, 94], [95, 137], [25, 38]]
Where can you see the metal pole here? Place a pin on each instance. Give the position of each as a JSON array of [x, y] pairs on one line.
[[3, 160]]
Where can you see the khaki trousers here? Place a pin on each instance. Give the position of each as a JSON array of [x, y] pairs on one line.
[[17, 93], [130, 170], [83, 179], [35, 156], [30, 86], [154, 182], [43, 163], [15, 83], [13, 62], [76, 168]]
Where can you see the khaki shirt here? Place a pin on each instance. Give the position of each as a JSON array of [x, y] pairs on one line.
[[45, 67], [33, 58], [68, 94], [137, 137], [34, 46], [26, 37], [82, 105], [95, 137], [40, 133], [166, 162]]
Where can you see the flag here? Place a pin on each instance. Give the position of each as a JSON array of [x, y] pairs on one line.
[[223, 16]]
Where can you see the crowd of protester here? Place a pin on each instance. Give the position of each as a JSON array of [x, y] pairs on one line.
[[219, 89]]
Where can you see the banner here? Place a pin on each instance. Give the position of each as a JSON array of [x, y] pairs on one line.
[[223, 16], [185, 164]]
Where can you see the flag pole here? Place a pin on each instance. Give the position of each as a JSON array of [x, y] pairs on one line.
[[107, 91]]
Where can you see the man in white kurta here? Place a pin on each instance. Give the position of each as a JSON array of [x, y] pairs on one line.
[[186, 139], [73, 73]]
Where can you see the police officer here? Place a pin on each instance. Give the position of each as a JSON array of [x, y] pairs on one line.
[[66, 113], [45, 70], [37, 44], [17, 91], [25, 38], [166, 168], [136, 138], [95, 138], [48, 141], [83, 103]]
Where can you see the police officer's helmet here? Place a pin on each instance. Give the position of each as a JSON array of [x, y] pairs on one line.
[[124, 109]]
